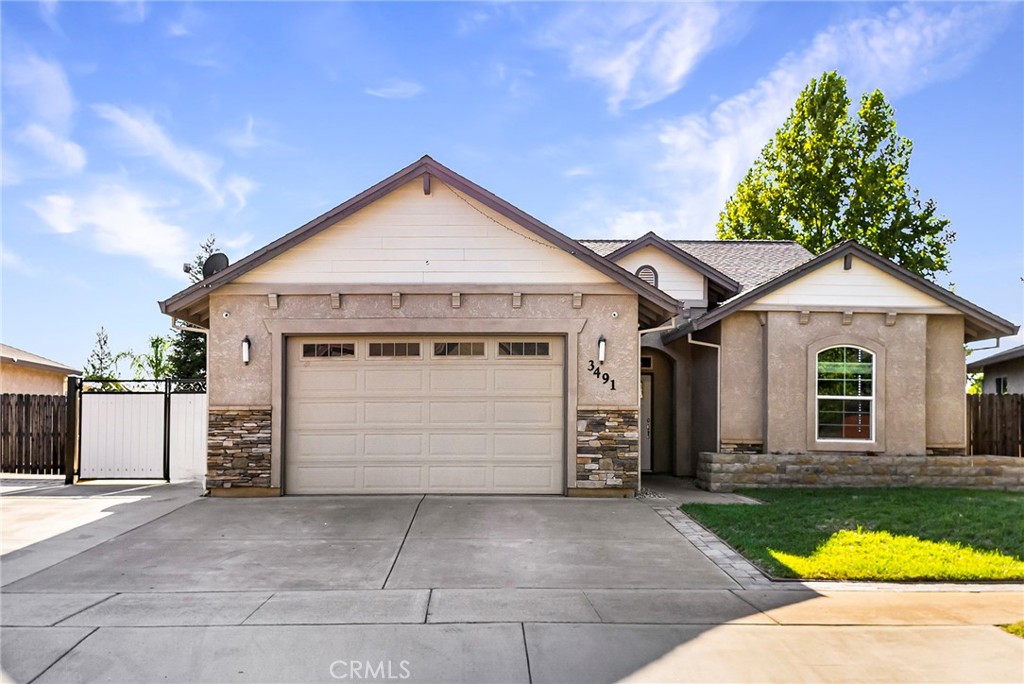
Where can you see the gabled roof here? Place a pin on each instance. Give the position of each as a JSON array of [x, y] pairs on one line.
[[655, 305], [1010, 354], [979, 324], [23, 358], [717, 281], [748, 262]]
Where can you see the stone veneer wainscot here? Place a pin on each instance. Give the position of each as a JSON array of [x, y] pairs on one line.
[[607, 449], [725, 472], [238, 451]]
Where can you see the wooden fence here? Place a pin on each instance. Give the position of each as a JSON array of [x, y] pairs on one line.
[[32, 433], [995, 424]]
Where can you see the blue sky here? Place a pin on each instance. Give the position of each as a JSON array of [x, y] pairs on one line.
[[133, 130]]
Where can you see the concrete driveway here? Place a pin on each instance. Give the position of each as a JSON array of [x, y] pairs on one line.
[[169, 587]]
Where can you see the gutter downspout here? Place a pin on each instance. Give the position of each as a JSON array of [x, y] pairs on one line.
[[671, 325], [718, 391]]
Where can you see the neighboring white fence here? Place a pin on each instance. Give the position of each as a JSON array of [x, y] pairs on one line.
[[149, 432]]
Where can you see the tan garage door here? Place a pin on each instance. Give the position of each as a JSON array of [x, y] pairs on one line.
[[424, 414]]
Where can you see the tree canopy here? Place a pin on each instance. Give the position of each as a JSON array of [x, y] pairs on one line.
[[187, 356], [830, 175]]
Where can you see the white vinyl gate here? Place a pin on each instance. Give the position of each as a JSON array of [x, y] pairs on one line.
[[135, 435]]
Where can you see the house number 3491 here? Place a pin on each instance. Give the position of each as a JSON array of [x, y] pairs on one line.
[[605, 379]]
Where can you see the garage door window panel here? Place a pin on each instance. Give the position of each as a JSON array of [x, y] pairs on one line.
[[445, 349], [524, 349], [329, 350], [391, 350]]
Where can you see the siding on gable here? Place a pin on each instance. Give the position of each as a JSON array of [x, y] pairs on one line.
[[407, 237], [674, 277], [862, 287]]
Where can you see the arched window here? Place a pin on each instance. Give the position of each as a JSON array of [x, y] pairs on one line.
[[648, 275], [845, 394]]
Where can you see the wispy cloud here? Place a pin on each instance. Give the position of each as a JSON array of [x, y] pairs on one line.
[[13, 262], [130, 11], [396, 89], [119, 220], [42, 88], [143, 136], [48, 13], [67, 156], [640, 53], [245, 140], [577, 171], [41, 107], [702, 156]]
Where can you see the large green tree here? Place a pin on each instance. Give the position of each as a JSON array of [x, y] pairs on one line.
[[187, 356], [830, 175]]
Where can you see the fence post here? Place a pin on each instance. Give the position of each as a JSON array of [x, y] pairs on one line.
[[167, 430], [71, 431]]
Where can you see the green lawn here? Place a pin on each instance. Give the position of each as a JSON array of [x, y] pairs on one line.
[[875, 534], [1016, 629]]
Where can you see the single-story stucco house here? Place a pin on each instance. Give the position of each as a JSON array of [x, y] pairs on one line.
[[23, 372], [428, 336], [1004, 371]]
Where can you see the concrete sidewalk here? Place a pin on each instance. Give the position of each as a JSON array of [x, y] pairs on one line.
[[514, 635]]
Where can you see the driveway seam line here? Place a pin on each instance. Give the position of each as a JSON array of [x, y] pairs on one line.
[[600, 618], [404, 538], [263, 603], [79, 612], [426, 611], [735, 593], [64, 654], [526, 652]]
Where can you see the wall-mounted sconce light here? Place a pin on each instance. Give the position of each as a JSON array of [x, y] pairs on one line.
[[245, 350], [601, 344]]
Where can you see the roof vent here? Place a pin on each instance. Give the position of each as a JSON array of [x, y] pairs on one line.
[[215, 263], [648, 275]]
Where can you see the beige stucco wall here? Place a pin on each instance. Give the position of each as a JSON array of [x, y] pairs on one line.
[[15, 379], [946, 400], [901, 357], [742, 379], [611, 312]]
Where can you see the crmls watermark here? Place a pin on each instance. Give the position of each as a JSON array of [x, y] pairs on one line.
[[382, 670]]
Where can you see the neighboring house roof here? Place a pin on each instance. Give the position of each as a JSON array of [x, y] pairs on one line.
[[747, 262], [717, 280], [978, 323], [1011, 354], [21, 357], [655, 305]]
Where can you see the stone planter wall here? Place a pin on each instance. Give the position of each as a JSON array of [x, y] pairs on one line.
[[607, 449], [238, 449], [727, 472]]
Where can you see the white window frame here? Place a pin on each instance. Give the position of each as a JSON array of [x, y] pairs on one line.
[[873, 435]]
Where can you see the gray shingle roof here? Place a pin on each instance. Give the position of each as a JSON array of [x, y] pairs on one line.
[[748, 262]]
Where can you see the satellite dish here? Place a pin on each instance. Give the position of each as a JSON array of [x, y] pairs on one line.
[[214, 263]]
